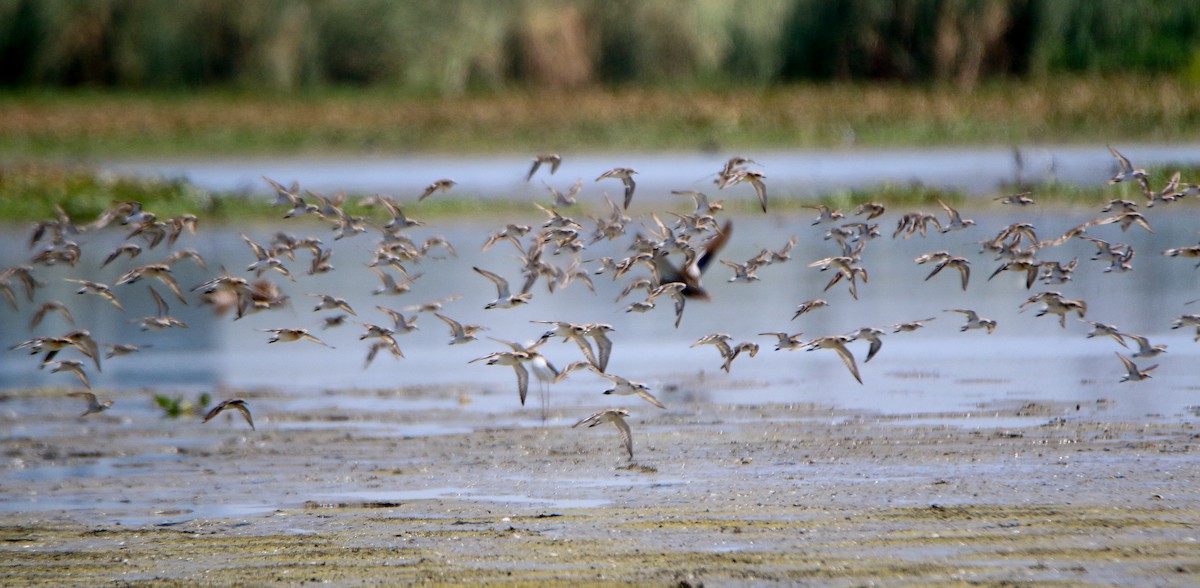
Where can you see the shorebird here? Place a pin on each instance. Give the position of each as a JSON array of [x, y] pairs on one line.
[[623, 386], [809, 306], [568, 198], [826, 215], [460, 333], [328, 302], [704, 208], [625, 174], [748, 347], [838, 344], [696, 260], [598, 332], [959, 263], [516, 359], [235, 403], [1188, 320], [130, 249], [615, 416], [387, 343], [1126, 171], [1021, 199], [1192, 251], [93, 404], [161, 318], [1054, 272], [719, 340], [442, 185], [50, 346], [1103, 330], [542, 369], [755, 179], [871, 335], [401, 324], [118, 349], [913, 222], [158, 271], [1145, 349], [287, 335], [1030, 267], [1119, 205], [742, 272], [734, 165], [264, 260], [389, 285], [24, 275], [571, 332], [432, 306], [871, 209], [956, 221], [847, 267], [910, 326], [1132, 373], [553, 159], [73, 366], [1167, 195], [974, 321], [46, 307], [1056, 304], [504, 297], [786, 341]]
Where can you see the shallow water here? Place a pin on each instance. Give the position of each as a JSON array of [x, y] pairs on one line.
[[937, 368], [974, 170]]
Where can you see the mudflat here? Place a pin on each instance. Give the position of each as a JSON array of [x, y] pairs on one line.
[[414, 486]]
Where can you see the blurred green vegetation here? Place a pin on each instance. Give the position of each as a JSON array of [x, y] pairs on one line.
[[88, 123], [456, 47], [30, 192]]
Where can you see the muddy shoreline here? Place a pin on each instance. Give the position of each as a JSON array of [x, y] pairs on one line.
[[717, 494]]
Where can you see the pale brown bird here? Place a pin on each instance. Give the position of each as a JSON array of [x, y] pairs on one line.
[[974, 321], [515, 359], [94, 405], [755, 179], [460, 333], [553, 159], [1021, 199], [161, 319], [625, 174], [46, 307], [838, 344], [100, 289], [1132, 372], [328, 302], [616, 416], [623, 386], [234, 403], [442, 185], [1126, 171], [73, 366], [287, 335], [504, 297], [959, 263]]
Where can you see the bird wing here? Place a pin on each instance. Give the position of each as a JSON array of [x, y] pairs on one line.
[[501, 283], [626, 434], [603, 348], [522, 381], [648, 397], [848, 359]]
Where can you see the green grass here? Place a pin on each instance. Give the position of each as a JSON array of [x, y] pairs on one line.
[[29, 192], [88, 124]]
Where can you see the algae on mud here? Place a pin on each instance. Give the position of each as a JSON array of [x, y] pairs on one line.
[[727, 495]]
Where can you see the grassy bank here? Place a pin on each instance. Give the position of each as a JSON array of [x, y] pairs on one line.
[[94, 124]]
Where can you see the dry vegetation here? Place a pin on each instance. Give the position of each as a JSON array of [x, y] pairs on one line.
[[91, 124]]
